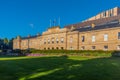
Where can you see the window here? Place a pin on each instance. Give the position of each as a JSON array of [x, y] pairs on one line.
[[119, 35], [44, 41], [93, 47], [62, 48], [57, 40], [57, 48], [105, 37], [52, 48], [82, 48], [48, 41], [71, 40], [62, 40], [93, 38], [48, 48], [110, 13], [44, 48], [104, 14], [83, 38], [118, 47], [105, 47], [52, 41]]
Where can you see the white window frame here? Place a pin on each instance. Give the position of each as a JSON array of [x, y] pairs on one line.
[[93, 38], [118, 36], [105, 37], [62, 40], [44, 41], [93, 47], [57, 40], [104, 47], [48, 41], [118, 47], [83, 38], [53, 41]]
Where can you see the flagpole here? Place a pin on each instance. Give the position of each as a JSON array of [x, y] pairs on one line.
[[54, 22], [59, 21]]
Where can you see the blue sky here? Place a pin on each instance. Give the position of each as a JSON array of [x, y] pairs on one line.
[[23, 17]]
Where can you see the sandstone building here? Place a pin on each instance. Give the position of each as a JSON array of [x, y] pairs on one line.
[[101, 32]]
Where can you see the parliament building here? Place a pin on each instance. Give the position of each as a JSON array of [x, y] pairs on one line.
[[100, 32]]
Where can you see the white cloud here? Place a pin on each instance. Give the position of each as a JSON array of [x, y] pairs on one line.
[[31, 25]]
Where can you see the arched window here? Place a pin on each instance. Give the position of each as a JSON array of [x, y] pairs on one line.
[[62, 48], [57, 40], [48, 48], [44, 48], [62, 40], [48, 41], [52, 40], [44, 41], [57, 48], [52, 48]]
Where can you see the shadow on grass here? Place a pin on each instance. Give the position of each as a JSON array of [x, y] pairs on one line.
[[60, 68]]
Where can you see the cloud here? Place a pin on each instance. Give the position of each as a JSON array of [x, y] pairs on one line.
[[31, 25]]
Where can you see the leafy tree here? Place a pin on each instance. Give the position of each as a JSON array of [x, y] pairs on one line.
[[11, 43], [6, 41]]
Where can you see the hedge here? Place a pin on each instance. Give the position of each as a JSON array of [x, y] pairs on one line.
[[74, 52], [70, 52]]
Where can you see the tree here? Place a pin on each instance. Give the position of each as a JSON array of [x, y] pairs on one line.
[[11, 43], [6, 41], [1, 43]]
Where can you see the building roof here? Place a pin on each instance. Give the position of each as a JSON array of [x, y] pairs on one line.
[[29, 37], [96, 22], [113, 24]]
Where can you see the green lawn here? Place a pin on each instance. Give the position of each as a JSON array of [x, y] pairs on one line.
[[59, 68]]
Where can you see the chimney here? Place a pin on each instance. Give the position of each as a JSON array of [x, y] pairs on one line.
[[92, 25]]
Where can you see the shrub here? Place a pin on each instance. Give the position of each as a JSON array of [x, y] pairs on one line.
[[17, 51], [73, 52], [116, 53]]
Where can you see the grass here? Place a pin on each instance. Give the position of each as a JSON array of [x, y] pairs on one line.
[[59, 68]]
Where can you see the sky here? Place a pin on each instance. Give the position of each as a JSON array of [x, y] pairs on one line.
[[23, 17]]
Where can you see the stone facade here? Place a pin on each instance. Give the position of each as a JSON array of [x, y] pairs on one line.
[[105, 36], [106, 39], [53, 38]]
